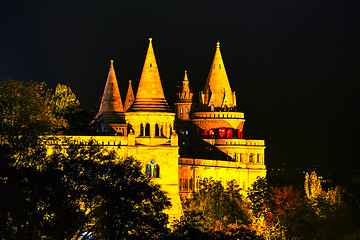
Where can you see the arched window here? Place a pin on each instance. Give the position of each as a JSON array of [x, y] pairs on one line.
[[225, 108], [141, 129], [148, 170], [229, 133], [147, 129], [150, 64], [251, 157], [180, 110], [234, 157], [212, 108], [129, 128], [156, 171], [187, 110], [157, 130]]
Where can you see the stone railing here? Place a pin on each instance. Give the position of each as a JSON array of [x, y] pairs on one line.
[[226, 115]]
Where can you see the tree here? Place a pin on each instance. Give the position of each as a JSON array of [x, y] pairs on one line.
[[25, 111], [278, 212], [63, 100], [214, 212], [118, 200], [64, 104], [78, 189], [335, 218], [60, 193]]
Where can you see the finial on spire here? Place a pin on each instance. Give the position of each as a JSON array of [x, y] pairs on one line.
[[185, 77], [218, 44], [129, 81], [150, 39]]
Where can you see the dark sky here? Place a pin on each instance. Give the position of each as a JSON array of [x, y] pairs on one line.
[[293, 64]]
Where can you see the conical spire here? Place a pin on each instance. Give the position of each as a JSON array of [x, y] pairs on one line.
[[111, 108], [217, 89], [150, 95], [129, 97], [185, 76]]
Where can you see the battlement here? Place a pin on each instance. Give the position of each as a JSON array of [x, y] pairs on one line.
[[226, 115], [238, 142]]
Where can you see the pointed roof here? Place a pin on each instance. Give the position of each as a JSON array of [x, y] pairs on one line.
[[185, 76], [150, 95], [185, 95], [217, 88], [130, 98], [111, 107]]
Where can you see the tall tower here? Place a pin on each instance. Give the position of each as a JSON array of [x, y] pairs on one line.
[[217, 94], [111, 117], [183, 105], [151, 122]]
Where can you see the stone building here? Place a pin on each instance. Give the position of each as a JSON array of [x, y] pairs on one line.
[[179, 148]]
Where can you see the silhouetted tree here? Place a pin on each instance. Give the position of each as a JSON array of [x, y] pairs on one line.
[[118, 200]]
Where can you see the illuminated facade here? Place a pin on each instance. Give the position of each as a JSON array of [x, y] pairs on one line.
[[208, 140]]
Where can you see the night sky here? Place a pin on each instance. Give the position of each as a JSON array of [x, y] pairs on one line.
[[294, 64]]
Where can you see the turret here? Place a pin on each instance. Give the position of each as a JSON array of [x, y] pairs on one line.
[[111, 117], [184, 102], [130, 98], [217, 94]]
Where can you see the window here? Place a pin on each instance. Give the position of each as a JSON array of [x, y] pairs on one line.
[[212, 108], [157, 130], [251, 157], [229, 133], [191, 184], [150, 64], [141, 129], [147, 129], [234, 156], [180, 184], [181, 110], [187, 110], [156, 173], [258, 158], [148, 170]]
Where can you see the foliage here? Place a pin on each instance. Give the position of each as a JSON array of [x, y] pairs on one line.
[[214, 210], [24, 110], [334, 217], [80, 188], [119, 201], [63, 100], [278, 212], [64, 104], [25, 114], [216, 205]]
